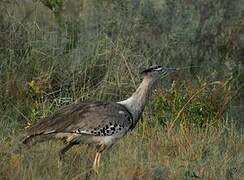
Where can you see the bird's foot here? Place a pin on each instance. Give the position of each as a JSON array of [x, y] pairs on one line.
[[95, 170]]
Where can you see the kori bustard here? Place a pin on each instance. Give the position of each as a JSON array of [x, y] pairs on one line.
[[98, 123]]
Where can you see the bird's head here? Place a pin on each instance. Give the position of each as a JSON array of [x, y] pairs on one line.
[[157, 71]]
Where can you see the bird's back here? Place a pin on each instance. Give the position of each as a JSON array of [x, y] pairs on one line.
[[95, 118]]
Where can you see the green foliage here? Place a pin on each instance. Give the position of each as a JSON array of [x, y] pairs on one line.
[[54, 5], [201, 105], [99, 52]]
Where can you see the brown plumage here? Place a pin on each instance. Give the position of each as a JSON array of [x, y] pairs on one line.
[[74, 120], [94, 123], [68, 119]]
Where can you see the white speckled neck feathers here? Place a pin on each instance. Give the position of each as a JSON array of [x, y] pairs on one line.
[[136, 103]]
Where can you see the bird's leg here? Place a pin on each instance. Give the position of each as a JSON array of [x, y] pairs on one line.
[[96, 161], [66, 148], [99, 149]]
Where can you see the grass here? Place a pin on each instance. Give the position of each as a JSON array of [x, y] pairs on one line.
[[56, 52], [182, 153], [182, 135]]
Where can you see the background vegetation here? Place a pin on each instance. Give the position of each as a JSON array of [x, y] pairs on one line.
[[55, 52]]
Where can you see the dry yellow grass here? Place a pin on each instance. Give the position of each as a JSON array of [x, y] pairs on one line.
[[183, 153]]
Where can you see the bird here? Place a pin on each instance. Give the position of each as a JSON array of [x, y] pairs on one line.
[[96, 123]]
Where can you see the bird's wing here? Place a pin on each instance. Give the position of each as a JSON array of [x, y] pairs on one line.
[[96, 118]]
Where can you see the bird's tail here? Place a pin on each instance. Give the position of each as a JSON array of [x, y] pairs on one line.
[[31, 140]]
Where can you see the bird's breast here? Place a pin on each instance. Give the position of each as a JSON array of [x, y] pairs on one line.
[[108, 140]]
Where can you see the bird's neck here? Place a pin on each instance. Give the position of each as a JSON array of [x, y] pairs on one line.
[[136, 103]]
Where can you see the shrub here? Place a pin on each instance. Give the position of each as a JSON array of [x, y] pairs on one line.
[[202, 104]]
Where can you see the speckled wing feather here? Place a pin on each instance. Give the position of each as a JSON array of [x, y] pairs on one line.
[[88, 118]]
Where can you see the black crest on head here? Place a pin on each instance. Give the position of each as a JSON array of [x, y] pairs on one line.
[[151, 69], [157, 68]]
